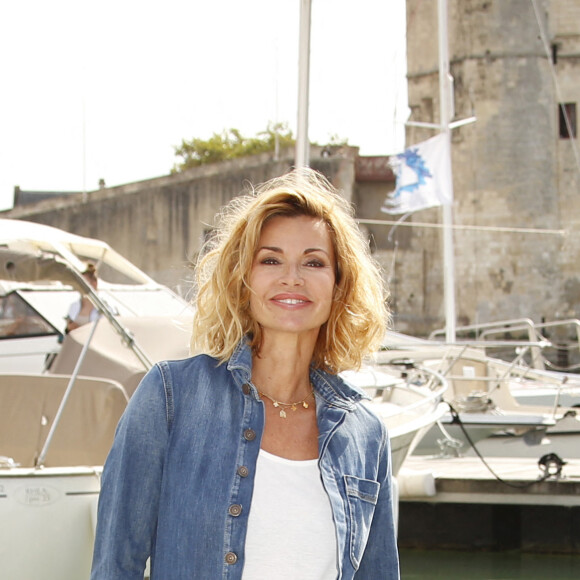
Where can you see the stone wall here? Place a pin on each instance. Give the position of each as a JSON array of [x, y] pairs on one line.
[[564, 26], [510, 168]]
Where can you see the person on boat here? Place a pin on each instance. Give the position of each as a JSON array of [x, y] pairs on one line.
[[254, 459], [82, 311]]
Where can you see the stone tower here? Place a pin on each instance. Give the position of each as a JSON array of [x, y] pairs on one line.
[[516, 67]]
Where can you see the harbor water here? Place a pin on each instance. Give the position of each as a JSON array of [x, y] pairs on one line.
[[508, 565]]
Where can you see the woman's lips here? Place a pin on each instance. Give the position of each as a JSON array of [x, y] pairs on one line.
[[291, 300]]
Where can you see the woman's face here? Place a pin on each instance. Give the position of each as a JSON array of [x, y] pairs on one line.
[[292, 277]]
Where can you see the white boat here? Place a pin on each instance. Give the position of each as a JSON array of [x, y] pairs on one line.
[[48, 494], [40, 278], [481, 395], [60, 397], [542, 358], [58, 413]]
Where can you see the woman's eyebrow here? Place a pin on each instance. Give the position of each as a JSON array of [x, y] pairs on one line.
[[312, 250], [280, 251], [270, 249]]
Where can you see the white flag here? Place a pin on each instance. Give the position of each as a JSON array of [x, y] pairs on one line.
[[423, 174]]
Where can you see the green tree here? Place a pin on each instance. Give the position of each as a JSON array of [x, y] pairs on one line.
[[230, 144]]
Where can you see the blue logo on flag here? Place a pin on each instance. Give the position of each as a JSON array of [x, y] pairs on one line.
[[415, 163]]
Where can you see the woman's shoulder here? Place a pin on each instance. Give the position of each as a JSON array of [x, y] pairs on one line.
[[199, 363], [364, 409], [200, 368], [180, 382], [340, 390]]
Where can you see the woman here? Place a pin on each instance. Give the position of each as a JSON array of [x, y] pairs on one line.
[[82, 311], [255, 460]]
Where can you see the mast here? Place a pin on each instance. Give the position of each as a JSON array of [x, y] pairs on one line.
[[445, 116], [302, 158]]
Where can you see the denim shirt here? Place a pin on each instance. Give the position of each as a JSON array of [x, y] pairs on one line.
[[177, 485]]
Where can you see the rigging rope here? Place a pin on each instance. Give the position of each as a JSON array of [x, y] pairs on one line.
[[546, 44], [462, 227]]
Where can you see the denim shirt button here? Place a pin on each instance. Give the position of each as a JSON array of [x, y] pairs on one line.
[[235, 510], [246, 389], [231, 558], [243, 471], [249, 434]]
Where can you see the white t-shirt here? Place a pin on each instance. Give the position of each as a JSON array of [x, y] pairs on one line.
[[291, 533], [74, 310]]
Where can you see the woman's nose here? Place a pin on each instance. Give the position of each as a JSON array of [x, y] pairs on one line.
[[292, 275]]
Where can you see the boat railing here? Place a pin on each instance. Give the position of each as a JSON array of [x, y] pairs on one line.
[[488, 376], [446, 355], [567, 344], [429, 393], [477, 330], [551, 345]]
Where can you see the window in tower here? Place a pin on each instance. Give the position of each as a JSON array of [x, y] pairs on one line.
[[567, 120]]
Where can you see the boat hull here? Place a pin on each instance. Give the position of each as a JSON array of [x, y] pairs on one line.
[[47, 522], [405, 437]]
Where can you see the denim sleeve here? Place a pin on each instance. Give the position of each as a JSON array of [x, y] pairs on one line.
[[380, 560], [130, 486]]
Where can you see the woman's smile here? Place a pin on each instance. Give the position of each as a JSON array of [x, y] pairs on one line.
[[291, 300]]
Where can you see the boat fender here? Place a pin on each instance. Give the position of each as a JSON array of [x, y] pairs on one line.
[[414, 483], [7, 462], [551, 465]]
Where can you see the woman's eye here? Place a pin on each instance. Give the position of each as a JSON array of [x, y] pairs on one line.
[[315, 264], [269, 261]]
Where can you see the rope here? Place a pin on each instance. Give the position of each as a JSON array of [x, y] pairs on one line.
[[457, 420], [495, 229]]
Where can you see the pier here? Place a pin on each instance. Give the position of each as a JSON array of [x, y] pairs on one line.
[[458, 503]]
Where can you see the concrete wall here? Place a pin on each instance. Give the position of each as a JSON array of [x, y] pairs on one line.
[[160, 224]]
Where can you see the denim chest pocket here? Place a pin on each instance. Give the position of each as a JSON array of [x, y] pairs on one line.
[[362, 496]]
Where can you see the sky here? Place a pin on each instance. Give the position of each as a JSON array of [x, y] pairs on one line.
[[108, 89]]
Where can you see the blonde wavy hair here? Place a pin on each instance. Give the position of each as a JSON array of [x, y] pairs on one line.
[[359, 315]]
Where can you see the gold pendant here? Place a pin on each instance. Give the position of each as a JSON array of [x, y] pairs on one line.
[[305, 404], [282, 413]]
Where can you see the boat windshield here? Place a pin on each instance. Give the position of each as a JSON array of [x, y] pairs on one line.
[[54, 304], [18, 319], [132, 301]]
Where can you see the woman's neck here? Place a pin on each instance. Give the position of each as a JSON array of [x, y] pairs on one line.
[[282, 367]]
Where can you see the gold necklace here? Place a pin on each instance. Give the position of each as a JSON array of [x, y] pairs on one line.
[[292, 406]]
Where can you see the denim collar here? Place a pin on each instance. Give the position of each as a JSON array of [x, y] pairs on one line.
[[332, 388]]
